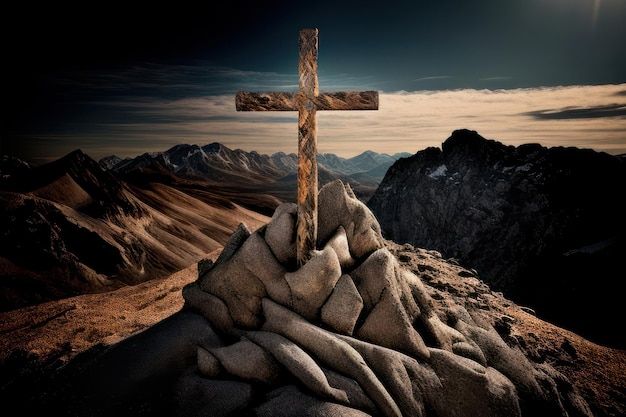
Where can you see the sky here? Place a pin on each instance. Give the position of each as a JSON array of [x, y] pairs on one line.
[[112, 79]]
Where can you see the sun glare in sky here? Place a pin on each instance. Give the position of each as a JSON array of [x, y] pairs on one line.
[[594, 16]]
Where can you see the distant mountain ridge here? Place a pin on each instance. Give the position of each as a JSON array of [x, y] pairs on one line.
[[544, 225], [217, 162]]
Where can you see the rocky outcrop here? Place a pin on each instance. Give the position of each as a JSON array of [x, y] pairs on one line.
[[350, 333], [539, 224]]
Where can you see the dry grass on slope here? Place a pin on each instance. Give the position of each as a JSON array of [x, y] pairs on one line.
[[63, 329]]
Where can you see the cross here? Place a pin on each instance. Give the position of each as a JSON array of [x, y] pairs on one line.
[[307, 101]]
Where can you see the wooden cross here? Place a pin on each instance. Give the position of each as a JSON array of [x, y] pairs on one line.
[[307, 101]]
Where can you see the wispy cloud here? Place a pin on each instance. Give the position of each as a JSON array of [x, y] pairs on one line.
[[172, 80], [409, 121], [434, 77], [499, 78], [178, 81], [609, 110], [582, 116]]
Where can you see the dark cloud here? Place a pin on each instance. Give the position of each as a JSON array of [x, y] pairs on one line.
[[610, 110]]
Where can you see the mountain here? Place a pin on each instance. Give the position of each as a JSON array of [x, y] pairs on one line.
[[366, 327], [10, 165], [78, 181], [79, 226], [69, 228], [544, 225], [219, 163]]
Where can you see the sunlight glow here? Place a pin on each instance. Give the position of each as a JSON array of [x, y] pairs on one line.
[[594, 17]]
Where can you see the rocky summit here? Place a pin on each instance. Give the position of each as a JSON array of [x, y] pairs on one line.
[[545, 226], [350, 333]]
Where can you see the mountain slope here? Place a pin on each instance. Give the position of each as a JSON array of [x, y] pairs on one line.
[[70, 228], [545, 226]]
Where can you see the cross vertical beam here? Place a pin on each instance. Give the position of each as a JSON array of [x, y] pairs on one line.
[[306, 226], [307, 101]]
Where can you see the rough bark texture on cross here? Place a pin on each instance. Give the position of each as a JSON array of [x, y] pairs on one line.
[[307, 101]]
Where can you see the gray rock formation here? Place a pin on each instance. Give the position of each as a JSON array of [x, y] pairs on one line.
[[350, 333], [536, 223]]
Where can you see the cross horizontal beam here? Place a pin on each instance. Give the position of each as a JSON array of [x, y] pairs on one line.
[[276, 101]]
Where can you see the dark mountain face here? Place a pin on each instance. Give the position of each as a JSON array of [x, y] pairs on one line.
[[9, 165], [46, 255], [76, 173], [544, 225]]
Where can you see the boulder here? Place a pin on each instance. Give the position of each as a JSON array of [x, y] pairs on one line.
[[339, 207], [339, 243], [314, 282], [342, 309], [196, 396], [291, 401], [389, 306], [280, 233]]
